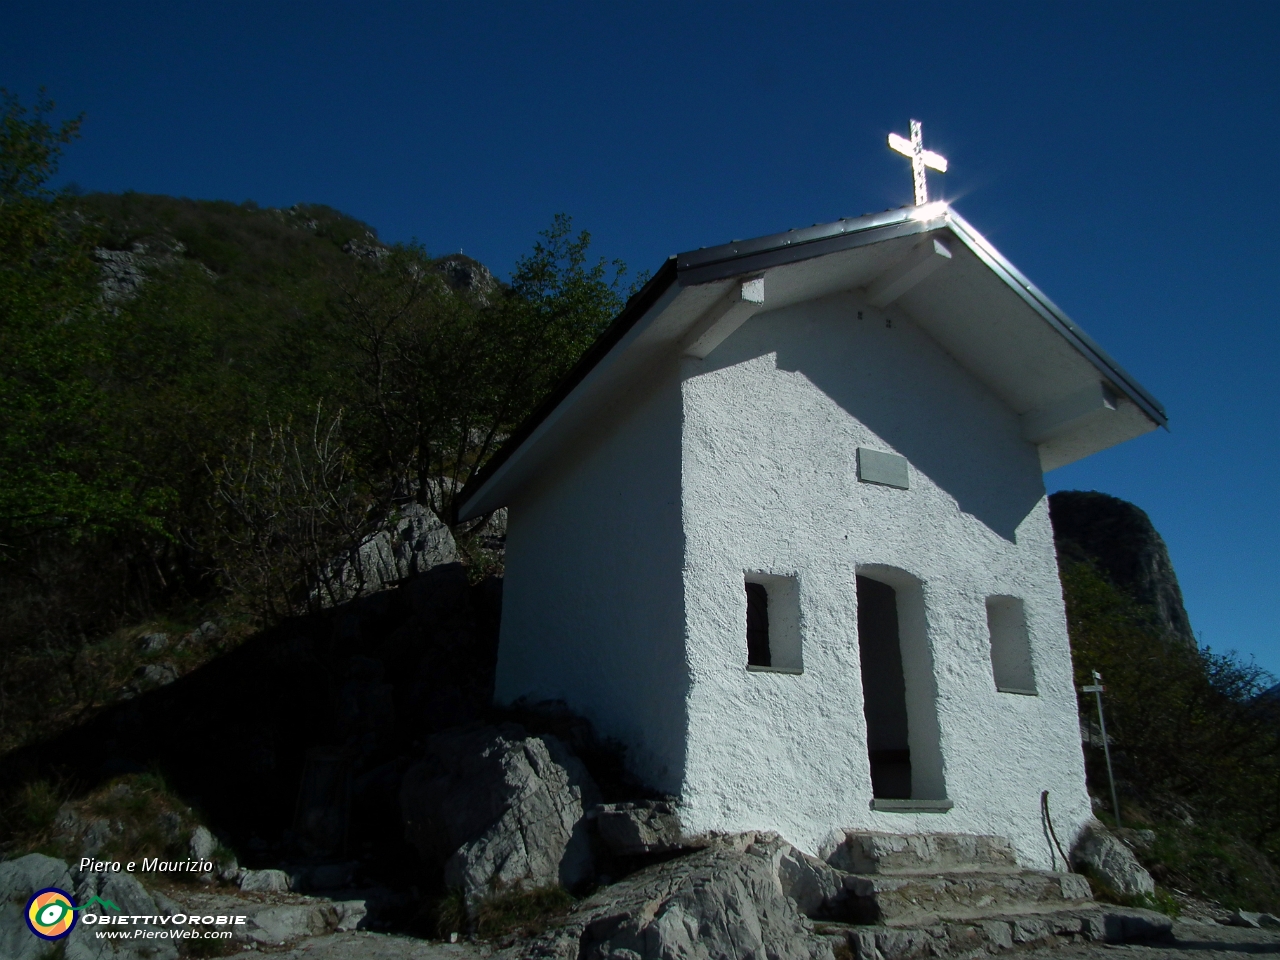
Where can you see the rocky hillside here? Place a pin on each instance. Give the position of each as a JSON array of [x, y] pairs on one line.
[[1119, 539], [1195, 747]]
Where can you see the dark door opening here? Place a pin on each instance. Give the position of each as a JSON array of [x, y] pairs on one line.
[[884, 691]]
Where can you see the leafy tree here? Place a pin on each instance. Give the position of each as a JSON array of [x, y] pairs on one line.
[[441, 376], [56, 470], [1186, 723]]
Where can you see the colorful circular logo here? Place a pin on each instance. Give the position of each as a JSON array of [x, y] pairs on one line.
[[51, 913]]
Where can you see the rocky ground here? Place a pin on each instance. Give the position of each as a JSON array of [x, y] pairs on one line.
[[1189, 941]]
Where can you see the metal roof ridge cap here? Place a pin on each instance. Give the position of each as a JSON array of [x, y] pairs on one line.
[[735, 249], [973, 238]]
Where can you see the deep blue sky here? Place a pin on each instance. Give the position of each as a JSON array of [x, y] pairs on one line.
[[1122, 155]]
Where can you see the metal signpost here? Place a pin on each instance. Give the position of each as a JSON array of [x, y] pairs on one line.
[[1096, 689]]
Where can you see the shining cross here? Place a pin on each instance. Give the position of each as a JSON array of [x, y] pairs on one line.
[[920, 158]]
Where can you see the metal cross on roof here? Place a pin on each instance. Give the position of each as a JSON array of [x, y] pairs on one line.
[[920, 158]]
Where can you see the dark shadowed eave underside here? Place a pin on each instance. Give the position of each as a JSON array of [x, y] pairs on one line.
[[739, 257]]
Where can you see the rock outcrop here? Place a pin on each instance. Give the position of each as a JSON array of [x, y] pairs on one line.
[[500, 809], [467, 275], [22, 877], [1103, 856], [723, 901], [1120, 539], [640, 829], [410, 541]]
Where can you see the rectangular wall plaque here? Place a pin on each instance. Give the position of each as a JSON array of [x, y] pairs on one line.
[[886, 469]]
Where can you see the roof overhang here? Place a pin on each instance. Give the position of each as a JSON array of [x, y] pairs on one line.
[[927, 262]]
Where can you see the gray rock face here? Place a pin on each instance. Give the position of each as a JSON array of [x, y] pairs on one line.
[[156, 675], [264, 881], [817, 888], [632, 829], [995, 935], [467, 275], [18, 880], [22, 877], [1120, 538], [1106, 858], [722, 901], [153, 642], [500, 808], [133, 899], [1243, 918], [123, 272], [412, 541], [202, 844]]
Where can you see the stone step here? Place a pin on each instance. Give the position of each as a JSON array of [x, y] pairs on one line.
[[911, 900], [896, 853], [1094, 923]]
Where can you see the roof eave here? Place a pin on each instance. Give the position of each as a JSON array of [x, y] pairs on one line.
[[709, 264]]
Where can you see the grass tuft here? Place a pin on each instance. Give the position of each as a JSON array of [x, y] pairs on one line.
[[450, 914], [526, 913]]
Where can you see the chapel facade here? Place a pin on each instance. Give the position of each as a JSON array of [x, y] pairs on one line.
[[783, 533]]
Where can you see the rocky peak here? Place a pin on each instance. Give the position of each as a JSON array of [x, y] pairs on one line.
[[1121, 541], [466, 275]]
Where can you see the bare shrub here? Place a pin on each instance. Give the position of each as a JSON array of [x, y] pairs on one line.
[[287, 503]]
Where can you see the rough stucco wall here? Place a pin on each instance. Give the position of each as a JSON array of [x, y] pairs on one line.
[[773, 419], [592, 607]]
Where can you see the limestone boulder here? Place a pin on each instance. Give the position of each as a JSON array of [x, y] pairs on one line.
[[22, 877], [264, 881], [499, 808], [818, 889], [722, 901], [202, 844], [132, 898], [412, 540], [1101, 855], [19, 879], [637, 829]]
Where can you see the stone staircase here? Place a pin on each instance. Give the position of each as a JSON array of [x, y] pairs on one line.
[[935, 894], [909, 880]]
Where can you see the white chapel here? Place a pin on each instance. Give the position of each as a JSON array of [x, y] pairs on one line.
[[783, 533]]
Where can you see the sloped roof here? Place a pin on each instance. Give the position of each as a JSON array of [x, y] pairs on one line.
[[1074, 399]]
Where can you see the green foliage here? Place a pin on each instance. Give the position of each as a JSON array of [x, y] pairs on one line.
[[1186, 722], [441, 377], [149, 461], [450, 913], [58, 470], [526, 913], [30, 811], [1211, 861], [30, 147], [1195, 747], [145, 819]]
